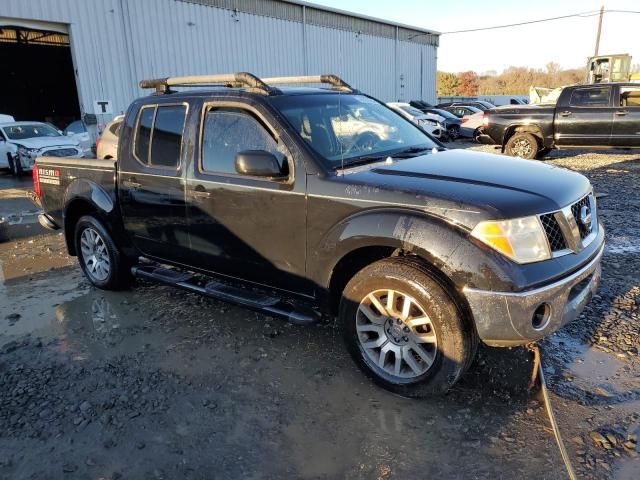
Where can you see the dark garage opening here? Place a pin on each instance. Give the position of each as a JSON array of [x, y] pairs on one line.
[[37, 76]]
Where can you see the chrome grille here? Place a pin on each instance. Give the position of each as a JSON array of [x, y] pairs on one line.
[[576, 209], [572, 228], [554, 234], [61, 152]]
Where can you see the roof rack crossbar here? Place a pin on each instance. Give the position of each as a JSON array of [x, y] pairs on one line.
[[243, 80], [333, 80]]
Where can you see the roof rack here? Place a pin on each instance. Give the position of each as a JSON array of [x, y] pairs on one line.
[[242, 80]]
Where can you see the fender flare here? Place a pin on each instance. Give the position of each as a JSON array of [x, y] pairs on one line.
[[532, 128], [88, 195]]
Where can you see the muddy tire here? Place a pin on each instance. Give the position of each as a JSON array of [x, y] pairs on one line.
[[404, 330], [100, 259], [523, 145]]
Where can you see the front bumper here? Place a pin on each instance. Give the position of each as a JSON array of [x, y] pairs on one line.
[[505, 319]]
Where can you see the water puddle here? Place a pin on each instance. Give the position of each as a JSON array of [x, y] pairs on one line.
[[595, 364], [628, 469], [623, 248]]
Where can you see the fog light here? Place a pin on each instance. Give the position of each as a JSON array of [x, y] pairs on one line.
[[541, 317]]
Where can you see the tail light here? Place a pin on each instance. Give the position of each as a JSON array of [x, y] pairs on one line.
[[97, 142], [36, 181], [485, 120]]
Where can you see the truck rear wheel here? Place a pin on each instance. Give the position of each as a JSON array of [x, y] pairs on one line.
[[523, 145], [404, 330], [99, 257]]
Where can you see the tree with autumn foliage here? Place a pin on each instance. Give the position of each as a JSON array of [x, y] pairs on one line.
[[467, 84], [512, 80], [447, 84]]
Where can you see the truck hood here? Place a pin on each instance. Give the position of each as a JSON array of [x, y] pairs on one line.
[[469, 186], [46, 142]]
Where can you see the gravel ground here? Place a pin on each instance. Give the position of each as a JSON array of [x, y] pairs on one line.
[[160, 383], [592, 364]]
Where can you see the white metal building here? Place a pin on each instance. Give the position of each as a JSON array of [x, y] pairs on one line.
[[112, 44]]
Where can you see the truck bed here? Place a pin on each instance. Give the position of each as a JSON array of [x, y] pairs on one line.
[[63, 178]]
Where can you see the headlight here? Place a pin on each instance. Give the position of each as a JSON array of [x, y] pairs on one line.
[[27, 152], [522, 239]]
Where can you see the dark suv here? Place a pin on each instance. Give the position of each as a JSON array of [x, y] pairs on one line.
[[303, 202]]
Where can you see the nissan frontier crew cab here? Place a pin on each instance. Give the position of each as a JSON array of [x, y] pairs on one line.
[[308, 202]]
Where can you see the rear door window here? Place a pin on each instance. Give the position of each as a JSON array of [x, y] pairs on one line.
[[630, 96], [591, 97], [158, 139], [166, 141]]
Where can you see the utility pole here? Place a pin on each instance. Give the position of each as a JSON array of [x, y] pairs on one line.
[[599, 30]]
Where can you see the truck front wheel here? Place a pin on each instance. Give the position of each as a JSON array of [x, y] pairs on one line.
[[404, 330], [99, 257], [523, 145]]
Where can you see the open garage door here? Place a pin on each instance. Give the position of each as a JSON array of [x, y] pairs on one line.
[[36, 73]]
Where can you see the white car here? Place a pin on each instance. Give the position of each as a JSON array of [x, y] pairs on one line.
[[22, 142], [107, 144], [470, 126], [432, 123], [77, 130]]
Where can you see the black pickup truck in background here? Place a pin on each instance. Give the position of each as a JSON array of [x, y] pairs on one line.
[[310, 202], [596, 116]]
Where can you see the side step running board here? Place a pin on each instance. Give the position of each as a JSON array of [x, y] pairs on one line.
[[297, 314]]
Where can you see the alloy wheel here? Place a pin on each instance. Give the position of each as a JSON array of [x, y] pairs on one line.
[[396, 334], [94, 254], [522, 148]]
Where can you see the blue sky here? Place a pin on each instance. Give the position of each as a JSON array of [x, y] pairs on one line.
[[568, 42]]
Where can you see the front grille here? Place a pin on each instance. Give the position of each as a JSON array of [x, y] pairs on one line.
[[562, 235], [61, 152], [554, 234], [575, 209]]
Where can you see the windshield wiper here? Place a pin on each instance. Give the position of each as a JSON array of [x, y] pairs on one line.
[[363, 161], [411, 151]]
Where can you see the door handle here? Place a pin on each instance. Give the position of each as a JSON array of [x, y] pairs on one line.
[[131, 183], [621, 113], [200, 193], [566, 113]]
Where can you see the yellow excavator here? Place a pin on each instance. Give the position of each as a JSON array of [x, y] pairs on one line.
[[600, 69], [610, 68]]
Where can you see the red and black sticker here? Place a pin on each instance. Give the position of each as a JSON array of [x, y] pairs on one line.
[[49, 175]]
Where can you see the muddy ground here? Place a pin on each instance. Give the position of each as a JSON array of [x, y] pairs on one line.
[[159, 383]]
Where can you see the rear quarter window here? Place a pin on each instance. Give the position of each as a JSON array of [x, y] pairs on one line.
[[115, 128]]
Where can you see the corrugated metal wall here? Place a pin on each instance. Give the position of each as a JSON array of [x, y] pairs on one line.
[[115, 43]]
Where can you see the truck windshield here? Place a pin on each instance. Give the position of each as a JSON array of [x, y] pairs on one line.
[[30, 130], [349, 129]]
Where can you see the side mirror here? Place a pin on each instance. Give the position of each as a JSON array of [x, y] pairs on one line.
[[257, 163]]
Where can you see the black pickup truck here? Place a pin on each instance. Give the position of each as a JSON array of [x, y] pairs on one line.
[[309, 202], [595, 116]]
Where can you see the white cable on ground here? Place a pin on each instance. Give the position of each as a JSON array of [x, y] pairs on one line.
[[554, 425]]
